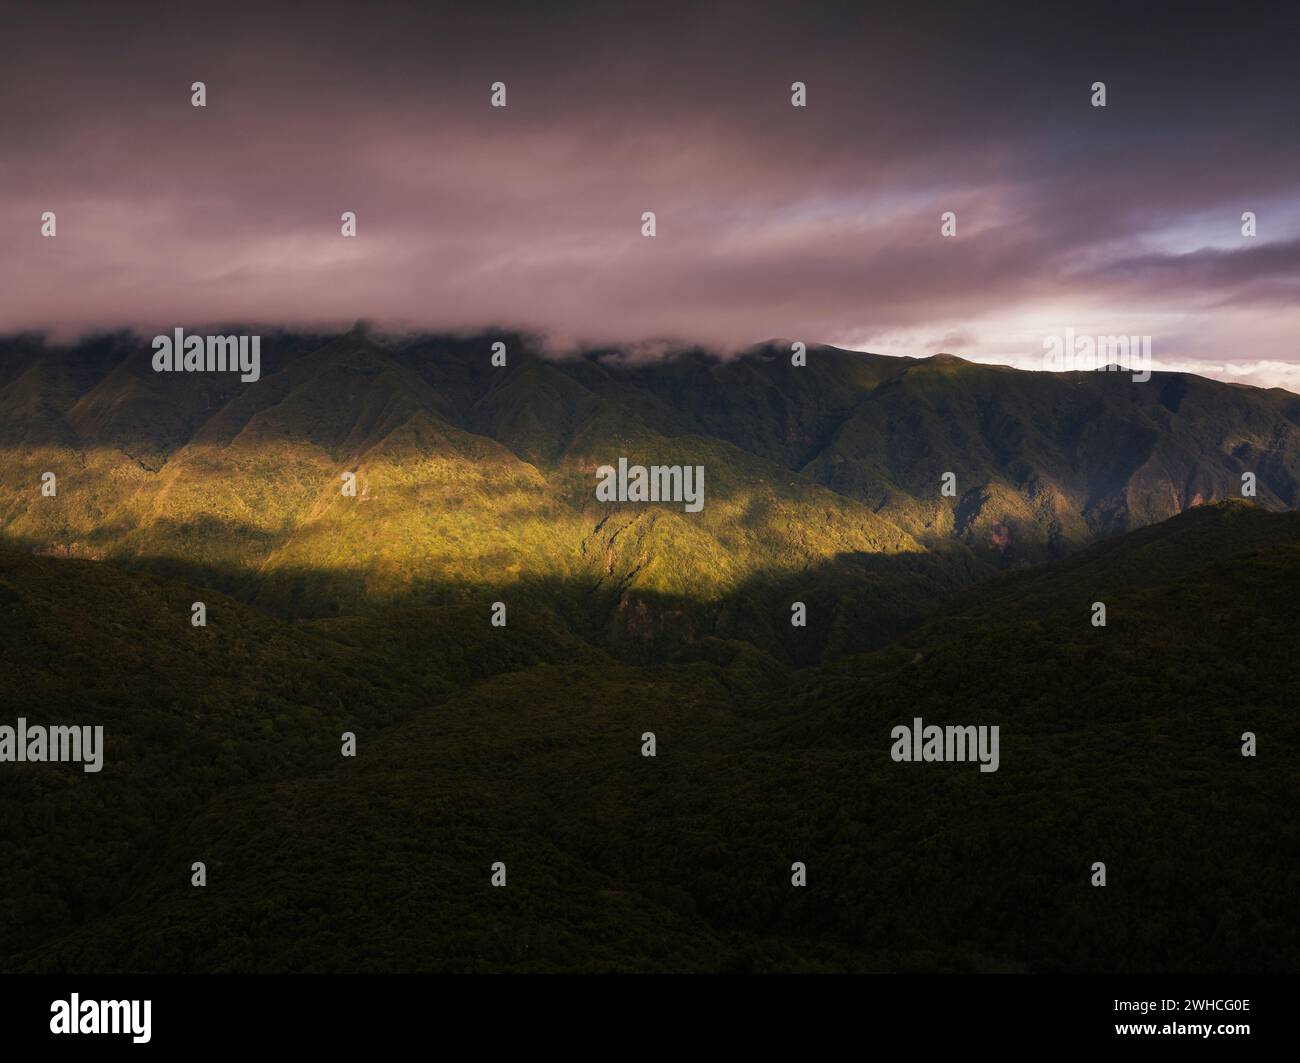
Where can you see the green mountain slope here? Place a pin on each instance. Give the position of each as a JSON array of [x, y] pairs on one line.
[[1043, 463], [1046, 462], [190, 713], [470, 486], [370, 612], [1119, 744]]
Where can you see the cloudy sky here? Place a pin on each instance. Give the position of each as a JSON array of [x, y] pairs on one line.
[[820, 223]]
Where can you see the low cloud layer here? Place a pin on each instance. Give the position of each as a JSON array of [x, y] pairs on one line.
[[820, 223]]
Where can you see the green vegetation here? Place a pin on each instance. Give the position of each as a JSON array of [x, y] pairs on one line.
[[523, 744], [471, 477], [1119, 744]]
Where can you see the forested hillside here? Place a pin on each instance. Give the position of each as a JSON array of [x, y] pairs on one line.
[[823, 481], [523, 745]]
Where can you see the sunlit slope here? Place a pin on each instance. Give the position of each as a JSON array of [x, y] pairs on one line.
[[256, 502], [475, 481]]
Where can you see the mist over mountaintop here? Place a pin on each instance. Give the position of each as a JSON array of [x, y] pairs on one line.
[[798, 190]]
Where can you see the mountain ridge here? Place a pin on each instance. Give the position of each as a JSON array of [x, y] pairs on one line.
[[473, 475]]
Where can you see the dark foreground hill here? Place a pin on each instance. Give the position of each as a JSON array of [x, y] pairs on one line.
[[522, 745]]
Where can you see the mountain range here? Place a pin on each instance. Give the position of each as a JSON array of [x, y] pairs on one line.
[[371, 614], [823, 480]]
